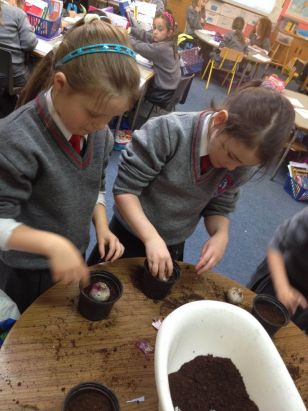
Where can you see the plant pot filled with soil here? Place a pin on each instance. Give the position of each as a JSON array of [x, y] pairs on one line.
[[96, 300], [270, 312], [90, 396], [155, 288]]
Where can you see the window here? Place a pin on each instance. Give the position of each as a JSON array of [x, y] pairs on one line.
[[257, 6]]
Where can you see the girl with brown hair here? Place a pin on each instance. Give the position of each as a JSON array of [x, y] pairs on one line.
[[159, 47], [54, 152], [260, 36], [184, 167]]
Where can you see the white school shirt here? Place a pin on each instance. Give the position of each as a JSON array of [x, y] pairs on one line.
[[203, 150], [8, 225]]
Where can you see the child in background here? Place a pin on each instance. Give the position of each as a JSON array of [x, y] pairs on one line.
[[203, 12], [193, 18], [16, 36], [259, 38], [284, 273], [54, 152], [159, 47], [160, 6], [235, 39], [186, 166]]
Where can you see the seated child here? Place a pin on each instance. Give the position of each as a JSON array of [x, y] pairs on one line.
[[159, 46], [16, 36], [260, 36], [235, 39], [284, 273]]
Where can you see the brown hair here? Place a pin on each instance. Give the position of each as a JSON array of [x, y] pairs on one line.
[[260, 118], [265, 28], [194, 3], [111, 74], [171, 25], [238, 25]]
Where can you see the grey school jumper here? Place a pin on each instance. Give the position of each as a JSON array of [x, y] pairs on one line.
[[166, 66], [162, 167], [44, 182], [16, 35]]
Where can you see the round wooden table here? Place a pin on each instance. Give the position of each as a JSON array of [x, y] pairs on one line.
[[51, 348]]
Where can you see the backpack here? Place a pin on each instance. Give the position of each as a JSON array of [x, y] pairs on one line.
[[185, 41]]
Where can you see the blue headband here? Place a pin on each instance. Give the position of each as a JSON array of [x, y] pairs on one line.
[[97, 48]]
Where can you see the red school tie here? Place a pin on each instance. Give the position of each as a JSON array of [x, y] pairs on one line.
[[75, 142], [205, 164]]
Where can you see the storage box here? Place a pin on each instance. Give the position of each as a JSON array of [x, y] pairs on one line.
[[43, 27], [295, 190], [123, 4], [224, 330]]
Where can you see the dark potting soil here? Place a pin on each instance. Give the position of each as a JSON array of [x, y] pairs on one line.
[[113, 289], [88, 400], [209, 383], [270, 312]]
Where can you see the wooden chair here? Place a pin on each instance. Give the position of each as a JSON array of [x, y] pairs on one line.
[[227, 56], [281, 46], [293, 69]]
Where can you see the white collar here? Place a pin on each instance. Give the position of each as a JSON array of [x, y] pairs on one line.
[[203, 150], [56, 118]]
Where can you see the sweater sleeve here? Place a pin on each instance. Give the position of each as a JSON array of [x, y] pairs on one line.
[[222, 205], [142, 35], [147, 50], [292, 234], [27, 37], [16, 186], [144, 157]]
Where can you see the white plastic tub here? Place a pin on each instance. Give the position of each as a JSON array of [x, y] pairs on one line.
[[224, 330]]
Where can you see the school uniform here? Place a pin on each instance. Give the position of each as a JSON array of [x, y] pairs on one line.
[[232, 41], [262, 43], [291, 240], [162, 166], [166, 65], [16, 36], [193, 21], [160, 7], [47, 185]]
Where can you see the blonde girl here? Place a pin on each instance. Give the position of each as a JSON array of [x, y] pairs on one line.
[[54, 151]]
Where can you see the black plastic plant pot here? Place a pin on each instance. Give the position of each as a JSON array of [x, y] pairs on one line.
[[155, 288], [90, 396], [92, 309], [270, 312]]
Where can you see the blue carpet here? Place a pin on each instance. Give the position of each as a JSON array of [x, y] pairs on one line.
[[263, 205]]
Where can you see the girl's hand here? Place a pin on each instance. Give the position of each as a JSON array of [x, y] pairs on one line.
[[159, 259], [212, 252], [114, 247], [66, 263], [292, 299]]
